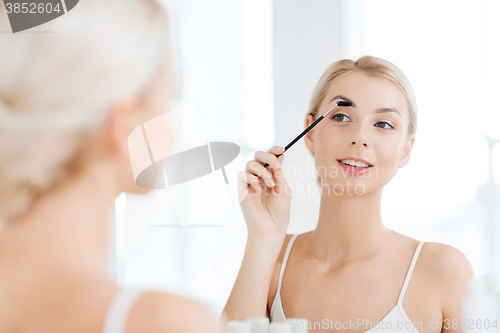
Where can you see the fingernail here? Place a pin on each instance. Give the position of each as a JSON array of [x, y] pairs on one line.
[[272, 183], [278, 164]]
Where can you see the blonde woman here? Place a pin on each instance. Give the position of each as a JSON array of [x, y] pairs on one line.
[[350, 268], [68, 101]]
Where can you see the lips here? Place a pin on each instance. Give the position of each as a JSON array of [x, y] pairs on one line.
[[356, 159], [353, 169]]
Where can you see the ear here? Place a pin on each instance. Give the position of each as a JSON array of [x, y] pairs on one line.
[[123, 119], [308, 137], [407, 151]]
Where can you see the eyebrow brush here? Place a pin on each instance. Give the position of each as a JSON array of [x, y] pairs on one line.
[[340, 103]]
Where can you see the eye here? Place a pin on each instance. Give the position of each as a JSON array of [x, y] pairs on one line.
[[341, 115], [383, 122]]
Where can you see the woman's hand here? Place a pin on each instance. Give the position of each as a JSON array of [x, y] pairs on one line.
[[266, 208], [265, 196]]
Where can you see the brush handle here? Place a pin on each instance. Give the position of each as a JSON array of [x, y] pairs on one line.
[[300, 135]]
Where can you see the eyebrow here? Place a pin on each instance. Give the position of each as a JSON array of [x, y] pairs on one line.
[[342, 97], [381, 110]]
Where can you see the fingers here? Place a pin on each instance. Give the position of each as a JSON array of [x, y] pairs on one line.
[[257, 175], [249, 179], [269, 157], [277, 150], [280, 180], [247, 184], [256, 168]]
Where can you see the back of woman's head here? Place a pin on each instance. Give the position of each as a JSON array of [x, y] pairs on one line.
[[57, 88]]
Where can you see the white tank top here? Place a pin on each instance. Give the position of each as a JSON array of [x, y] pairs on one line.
[[396, 321], [119, 310]]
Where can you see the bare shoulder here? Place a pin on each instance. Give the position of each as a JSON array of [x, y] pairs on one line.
[[273, 286], [447, 266], [166, 312], [445, 259]]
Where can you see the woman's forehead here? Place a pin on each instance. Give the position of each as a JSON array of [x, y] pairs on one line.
[[367, 91]]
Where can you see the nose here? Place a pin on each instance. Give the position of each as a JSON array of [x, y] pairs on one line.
[[364, 144], [359, 135]]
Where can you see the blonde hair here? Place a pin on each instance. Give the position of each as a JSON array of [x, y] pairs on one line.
[[373, 67], [57, 88]]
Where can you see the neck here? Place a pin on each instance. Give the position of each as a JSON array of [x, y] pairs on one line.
[[349, 227], [66, 228]]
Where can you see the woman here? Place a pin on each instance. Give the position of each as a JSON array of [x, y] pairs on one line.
[[68, 101], [351, 268]]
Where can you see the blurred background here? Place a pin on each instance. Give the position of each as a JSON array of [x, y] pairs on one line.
[[249, 67]]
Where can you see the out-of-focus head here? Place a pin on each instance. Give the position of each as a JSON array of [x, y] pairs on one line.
[[98, 72], [373, 85]]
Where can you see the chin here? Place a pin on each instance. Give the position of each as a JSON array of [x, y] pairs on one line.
[[352, 186]]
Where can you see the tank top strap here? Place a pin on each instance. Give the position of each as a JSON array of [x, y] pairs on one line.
[[410, 271], [119, 309], [285, 259]]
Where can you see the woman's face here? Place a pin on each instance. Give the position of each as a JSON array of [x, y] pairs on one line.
[[365, 131]]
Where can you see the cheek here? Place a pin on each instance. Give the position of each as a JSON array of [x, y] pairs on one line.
[[329, 141], [387, 154], [387, 157], [327, 148]]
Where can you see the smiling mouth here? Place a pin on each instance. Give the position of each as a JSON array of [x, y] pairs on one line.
[[362, 166]]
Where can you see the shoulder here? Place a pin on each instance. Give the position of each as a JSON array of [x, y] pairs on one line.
[[165, 312], [447, 267], [446, 260]]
